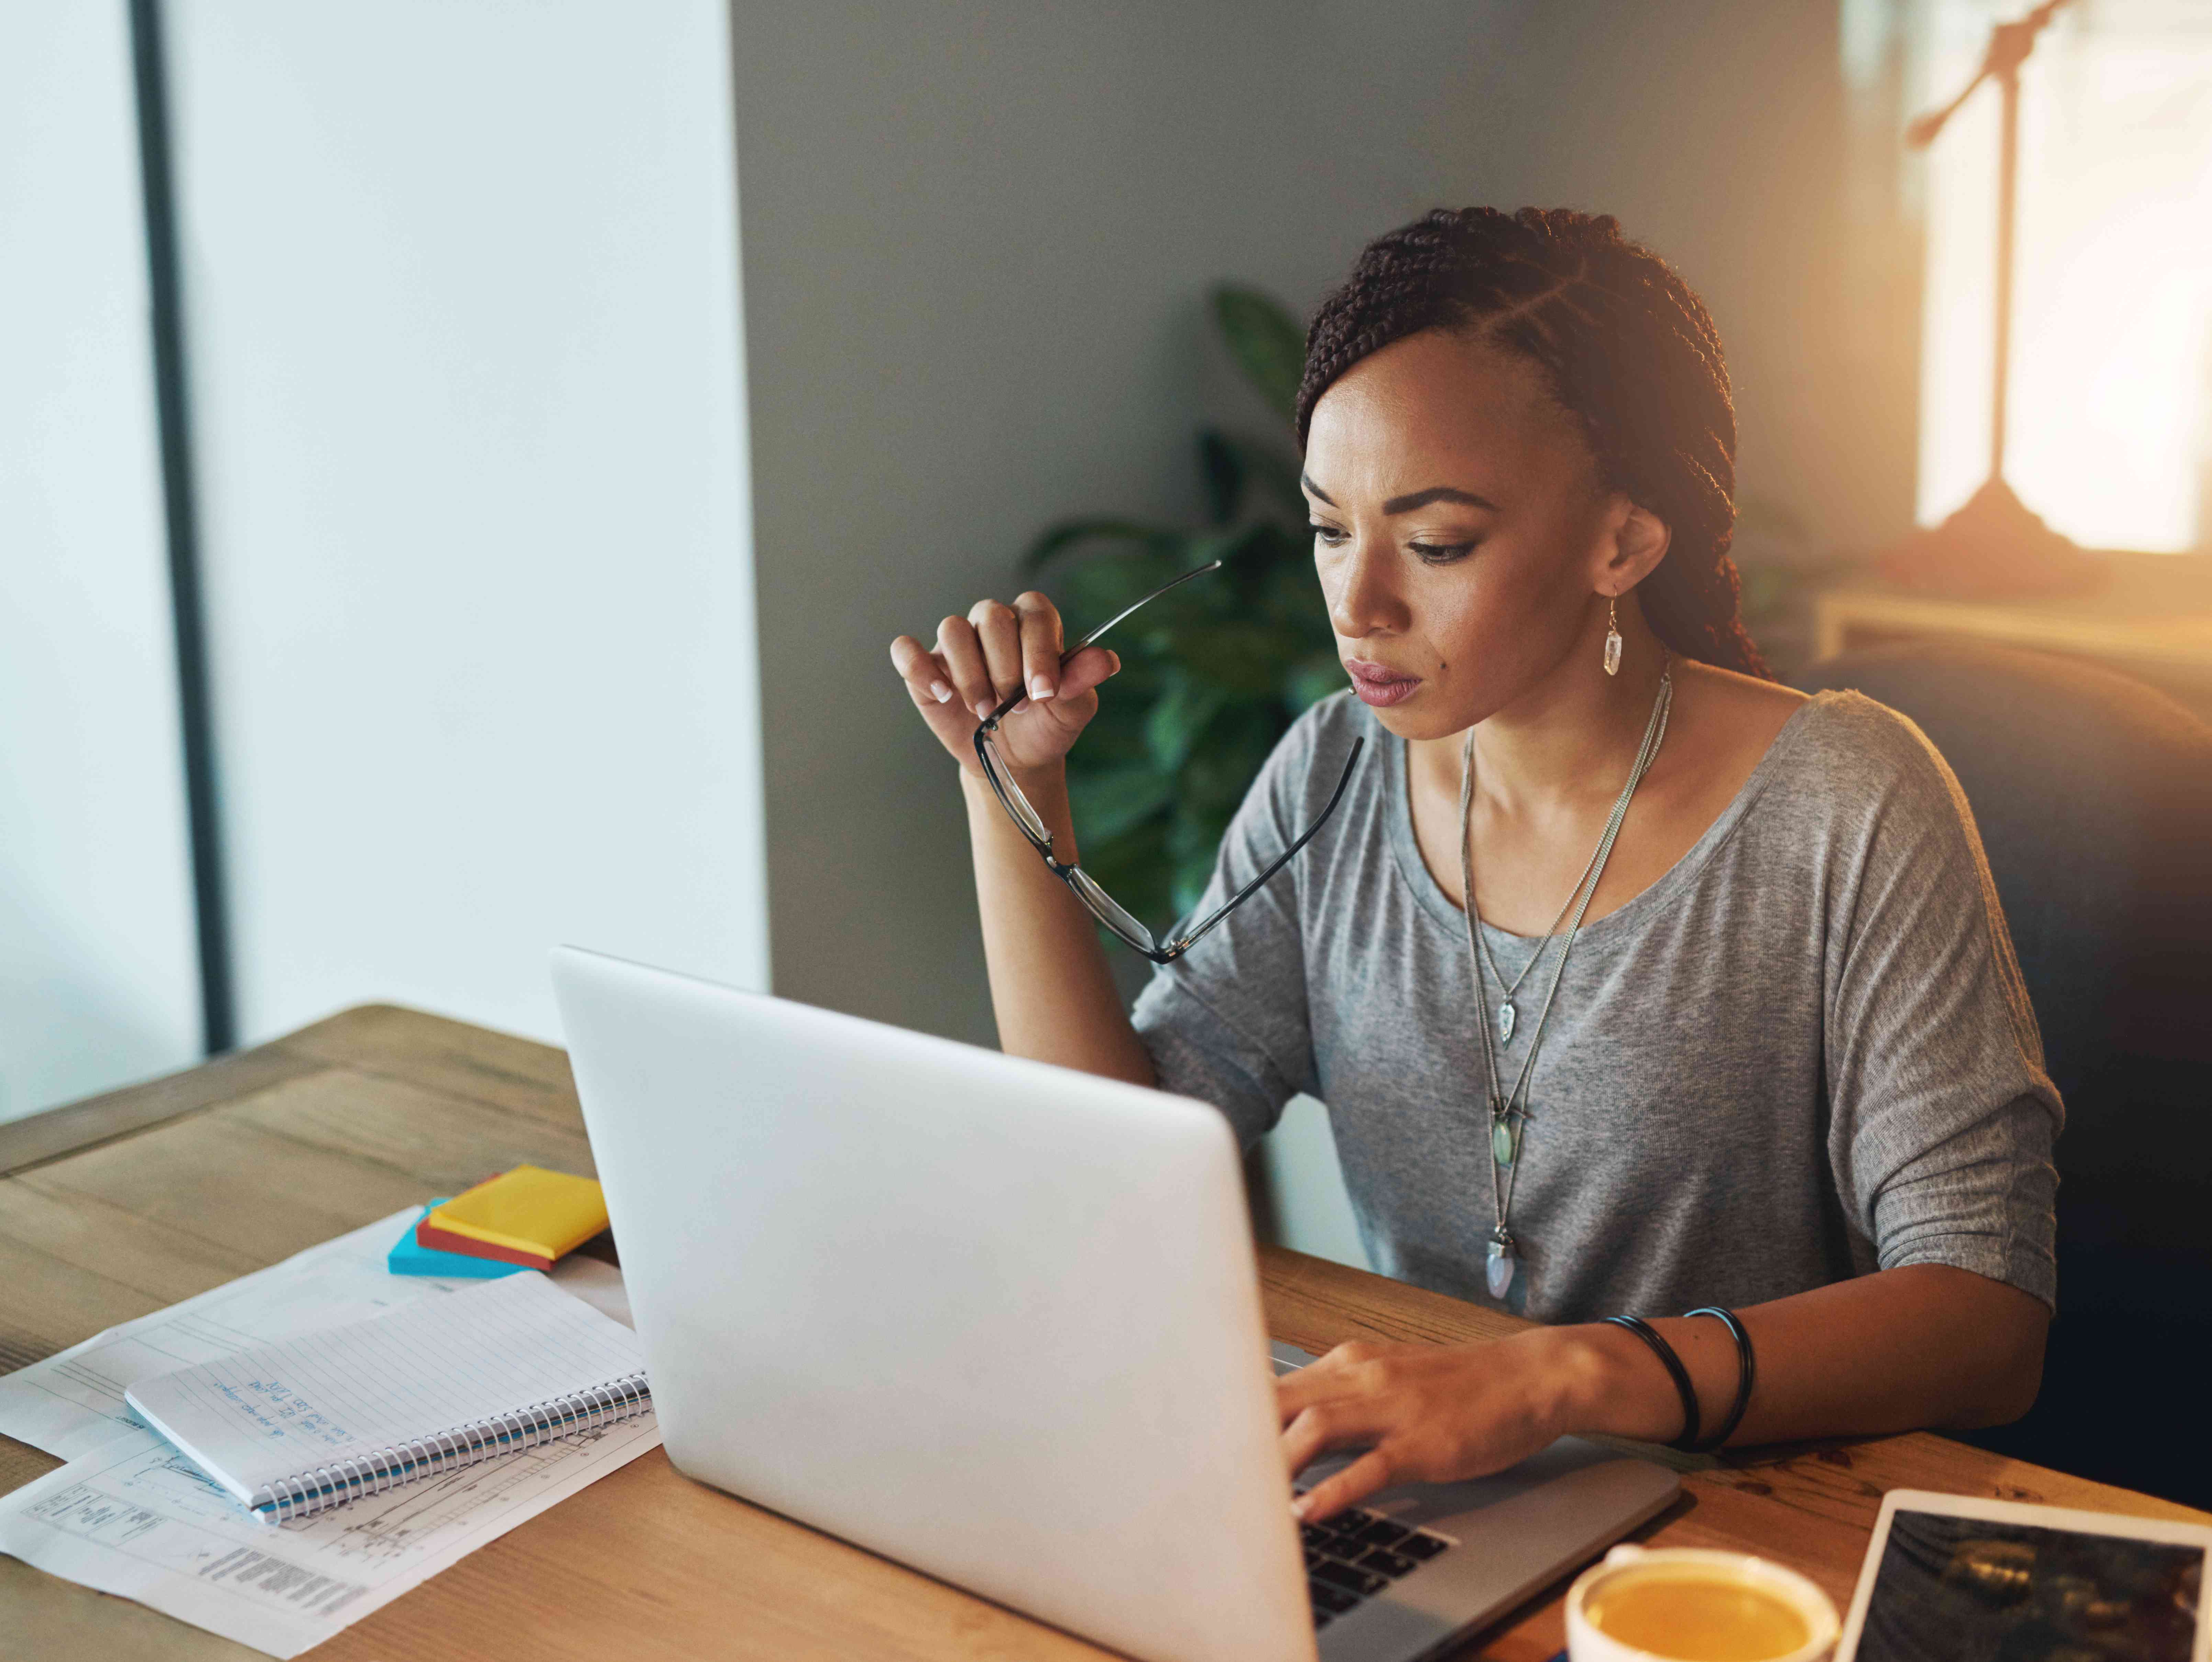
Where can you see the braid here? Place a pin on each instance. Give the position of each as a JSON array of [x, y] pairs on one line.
[[1627, 350]]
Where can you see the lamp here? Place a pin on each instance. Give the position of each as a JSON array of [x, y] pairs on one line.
[[1994, 545]]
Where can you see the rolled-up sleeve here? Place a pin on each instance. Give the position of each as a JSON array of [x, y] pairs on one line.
[[1943, 1119]]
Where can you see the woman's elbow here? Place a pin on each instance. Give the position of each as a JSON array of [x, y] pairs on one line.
[[2003, 1387]]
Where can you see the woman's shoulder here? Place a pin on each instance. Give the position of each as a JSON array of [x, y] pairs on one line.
[[1870, 767], [1852, 737]]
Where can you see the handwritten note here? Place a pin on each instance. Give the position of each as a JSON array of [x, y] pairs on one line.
[[281, 1411]]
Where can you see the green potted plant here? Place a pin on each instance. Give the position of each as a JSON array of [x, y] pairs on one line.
[[1212, 674]]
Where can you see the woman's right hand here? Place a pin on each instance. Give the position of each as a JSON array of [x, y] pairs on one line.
[[982, 658]]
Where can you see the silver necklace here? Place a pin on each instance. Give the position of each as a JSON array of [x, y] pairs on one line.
[[1509, 1110], [1507, 1013]]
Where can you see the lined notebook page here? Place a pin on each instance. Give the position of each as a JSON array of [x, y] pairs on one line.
[[278, 1412]]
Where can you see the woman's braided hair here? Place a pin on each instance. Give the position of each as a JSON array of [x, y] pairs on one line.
[[1626, 348]]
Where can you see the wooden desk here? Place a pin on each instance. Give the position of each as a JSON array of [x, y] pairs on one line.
[[118, 1206]]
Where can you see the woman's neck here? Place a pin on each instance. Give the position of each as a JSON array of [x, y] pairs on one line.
[[1569, 739]]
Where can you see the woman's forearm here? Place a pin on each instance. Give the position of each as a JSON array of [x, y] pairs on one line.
[[1051, 986], [1923, 1345]]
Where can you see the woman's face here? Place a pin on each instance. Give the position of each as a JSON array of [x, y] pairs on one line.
[[1459, 532]]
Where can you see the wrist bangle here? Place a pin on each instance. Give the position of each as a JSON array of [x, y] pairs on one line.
[[1746, 1372], [1665, 1351]]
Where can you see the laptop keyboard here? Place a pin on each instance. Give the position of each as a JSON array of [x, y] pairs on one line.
[[1357, 1553]]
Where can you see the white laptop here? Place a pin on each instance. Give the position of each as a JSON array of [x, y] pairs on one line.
[[1001, 1321]]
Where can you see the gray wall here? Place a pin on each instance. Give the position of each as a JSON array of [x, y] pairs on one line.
[[977, 240]]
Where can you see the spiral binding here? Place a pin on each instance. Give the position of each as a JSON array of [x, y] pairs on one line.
[[325, 1486]]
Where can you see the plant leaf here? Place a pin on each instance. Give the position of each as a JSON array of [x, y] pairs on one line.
[[1312, 680], [1266, 342], [1191, 877], [1092, 589], [1271, 468], [1066, 534], [1221, 471], [1214, 781], [1112, 802], [1192, 848], [1136, 870], [1116, 734], [1291, 596], [1179, 718], [1244, 656]]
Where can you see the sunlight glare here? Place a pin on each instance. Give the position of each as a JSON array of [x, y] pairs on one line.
[[2111, 374]]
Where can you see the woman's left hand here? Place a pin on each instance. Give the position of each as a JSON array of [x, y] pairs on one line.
[[1425, 1413]]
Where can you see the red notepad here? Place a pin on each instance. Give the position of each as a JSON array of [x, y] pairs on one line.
[[443, 1240]]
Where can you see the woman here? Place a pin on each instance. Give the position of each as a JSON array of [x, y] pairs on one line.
[[1781, 1059]]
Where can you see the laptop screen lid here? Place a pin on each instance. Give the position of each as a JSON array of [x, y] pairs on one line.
[[996, 1319]]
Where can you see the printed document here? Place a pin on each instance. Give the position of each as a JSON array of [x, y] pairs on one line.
[[137, 1519], [130, 1515]]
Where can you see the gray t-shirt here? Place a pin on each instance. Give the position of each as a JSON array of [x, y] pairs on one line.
[[1803, 1054]]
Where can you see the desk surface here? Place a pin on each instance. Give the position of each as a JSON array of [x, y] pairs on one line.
[[120, 1205]]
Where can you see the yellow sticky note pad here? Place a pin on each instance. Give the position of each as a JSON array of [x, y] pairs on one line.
[[528, 1210]]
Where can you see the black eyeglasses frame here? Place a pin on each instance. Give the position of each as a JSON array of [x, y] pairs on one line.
[[1123, 924]]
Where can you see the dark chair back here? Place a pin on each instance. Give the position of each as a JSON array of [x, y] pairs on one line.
[[2093, 794]]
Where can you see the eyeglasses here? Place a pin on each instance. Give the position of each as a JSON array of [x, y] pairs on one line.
[[1125, 925]]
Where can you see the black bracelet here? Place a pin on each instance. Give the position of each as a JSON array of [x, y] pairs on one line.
[[1746, 1372], [1665, 1351]]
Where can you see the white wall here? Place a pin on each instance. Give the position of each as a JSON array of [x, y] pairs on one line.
[[463, 306], [977, 241], [98, 982]]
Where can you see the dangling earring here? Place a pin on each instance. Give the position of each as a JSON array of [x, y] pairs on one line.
[[1612, 638]]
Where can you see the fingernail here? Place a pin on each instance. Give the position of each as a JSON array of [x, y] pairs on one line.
[[1300, 1507], [1039, 687], [940, 691], [1116, 657], [983, 708]]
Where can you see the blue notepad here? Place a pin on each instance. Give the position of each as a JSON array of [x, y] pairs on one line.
[[409, 1257]]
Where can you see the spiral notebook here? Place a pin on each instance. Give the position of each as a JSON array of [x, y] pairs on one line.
[[295, 1428]]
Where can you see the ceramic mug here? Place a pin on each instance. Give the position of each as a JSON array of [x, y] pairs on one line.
[[1585, 1643]]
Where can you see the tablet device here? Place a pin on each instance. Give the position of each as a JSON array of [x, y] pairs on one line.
[[1952, 1578]]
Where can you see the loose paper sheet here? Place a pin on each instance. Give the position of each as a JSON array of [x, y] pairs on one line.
[[131, 1516], [72, 1403], [135, 1519]]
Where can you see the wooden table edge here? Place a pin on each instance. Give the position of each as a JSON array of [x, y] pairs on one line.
[[71, 1128]]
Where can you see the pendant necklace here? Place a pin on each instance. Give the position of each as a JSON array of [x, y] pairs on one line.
[[1509, 1110], [1508, 1016]]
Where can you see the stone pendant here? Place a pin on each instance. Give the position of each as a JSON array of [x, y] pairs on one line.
[[1506, 1014], [1611, 652], [1502, 1139], [1498, 1273]]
